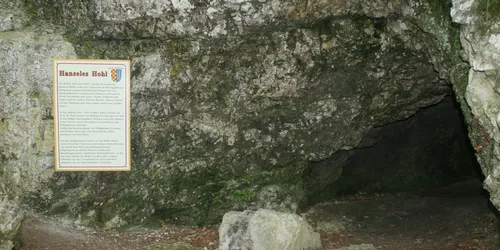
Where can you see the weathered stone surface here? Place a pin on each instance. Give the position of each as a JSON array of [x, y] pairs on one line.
[[166, 18], [461, 11], [214, 132], [26, 128], [481, 44], [266, 230], [11, 216], [231, 99], [12, 15]]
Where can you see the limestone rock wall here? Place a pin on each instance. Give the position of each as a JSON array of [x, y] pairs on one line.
[[480, 38], [230, 99], [26, 128]]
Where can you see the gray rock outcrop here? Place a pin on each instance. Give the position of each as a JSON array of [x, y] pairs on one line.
[[480, 38], [11, 217], [26, 128], [232, 99], [266, 230]]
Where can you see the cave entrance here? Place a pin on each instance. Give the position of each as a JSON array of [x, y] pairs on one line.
[[416, 180], [423, 153]]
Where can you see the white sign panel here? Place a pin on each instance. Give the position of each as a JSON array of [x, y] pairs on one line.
[[91, 101]]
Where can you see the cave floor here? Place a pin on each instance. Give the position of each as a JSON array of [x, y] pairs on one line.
[[449, 218], [453, 217]]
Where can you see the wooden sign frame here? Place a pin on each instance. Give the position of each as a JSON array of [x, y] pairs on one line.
[[91, 110]]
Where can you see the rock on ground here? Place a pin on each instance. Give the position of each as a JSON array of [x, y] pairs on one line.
[[266, 230]]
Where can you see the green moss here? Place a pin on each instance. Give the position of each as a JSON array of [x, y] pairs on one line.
[[298, 12], [32, 11], [455, 46], [285, 111], [34, 95], [440, 8], [177, 68], [488, 9], [50, 10], [488, 14], [459, 78], [245, 195], [177, 48], [31, 8], [87, 47]]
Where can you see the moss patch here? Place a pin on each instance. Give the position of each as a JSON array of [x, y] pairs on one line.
[[488, 9], [488, 14], [34, 95]]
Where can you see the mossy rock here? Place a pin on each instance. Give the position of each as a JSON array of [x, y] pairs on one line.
[[175, 246]]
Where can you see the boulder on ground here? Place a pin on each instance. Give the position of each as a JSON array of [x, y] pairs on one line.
[[266, 230]]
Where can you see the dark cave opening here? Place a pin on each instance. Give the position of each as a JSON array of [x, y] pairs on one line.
[[427, 154], [415, 182]]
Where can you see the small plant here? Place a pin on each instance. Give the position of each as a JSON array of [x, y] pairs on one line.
[[243, 195]]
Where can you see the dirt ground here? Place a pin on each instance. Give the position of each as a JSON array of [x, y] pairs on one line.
[[438, 219], [408, 222]]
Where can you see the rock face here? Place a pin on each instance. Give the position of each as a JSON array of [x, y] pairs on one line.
[[266, 230], [10, 221], [26, 128], [480, 37], [231, 100]]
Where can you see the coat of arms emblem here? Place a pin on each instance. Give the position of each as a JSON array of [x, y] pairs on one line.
[[116, 75]]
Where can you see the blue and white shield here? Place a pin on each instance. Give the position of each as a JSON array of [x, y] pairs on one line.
[[118, 74]]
